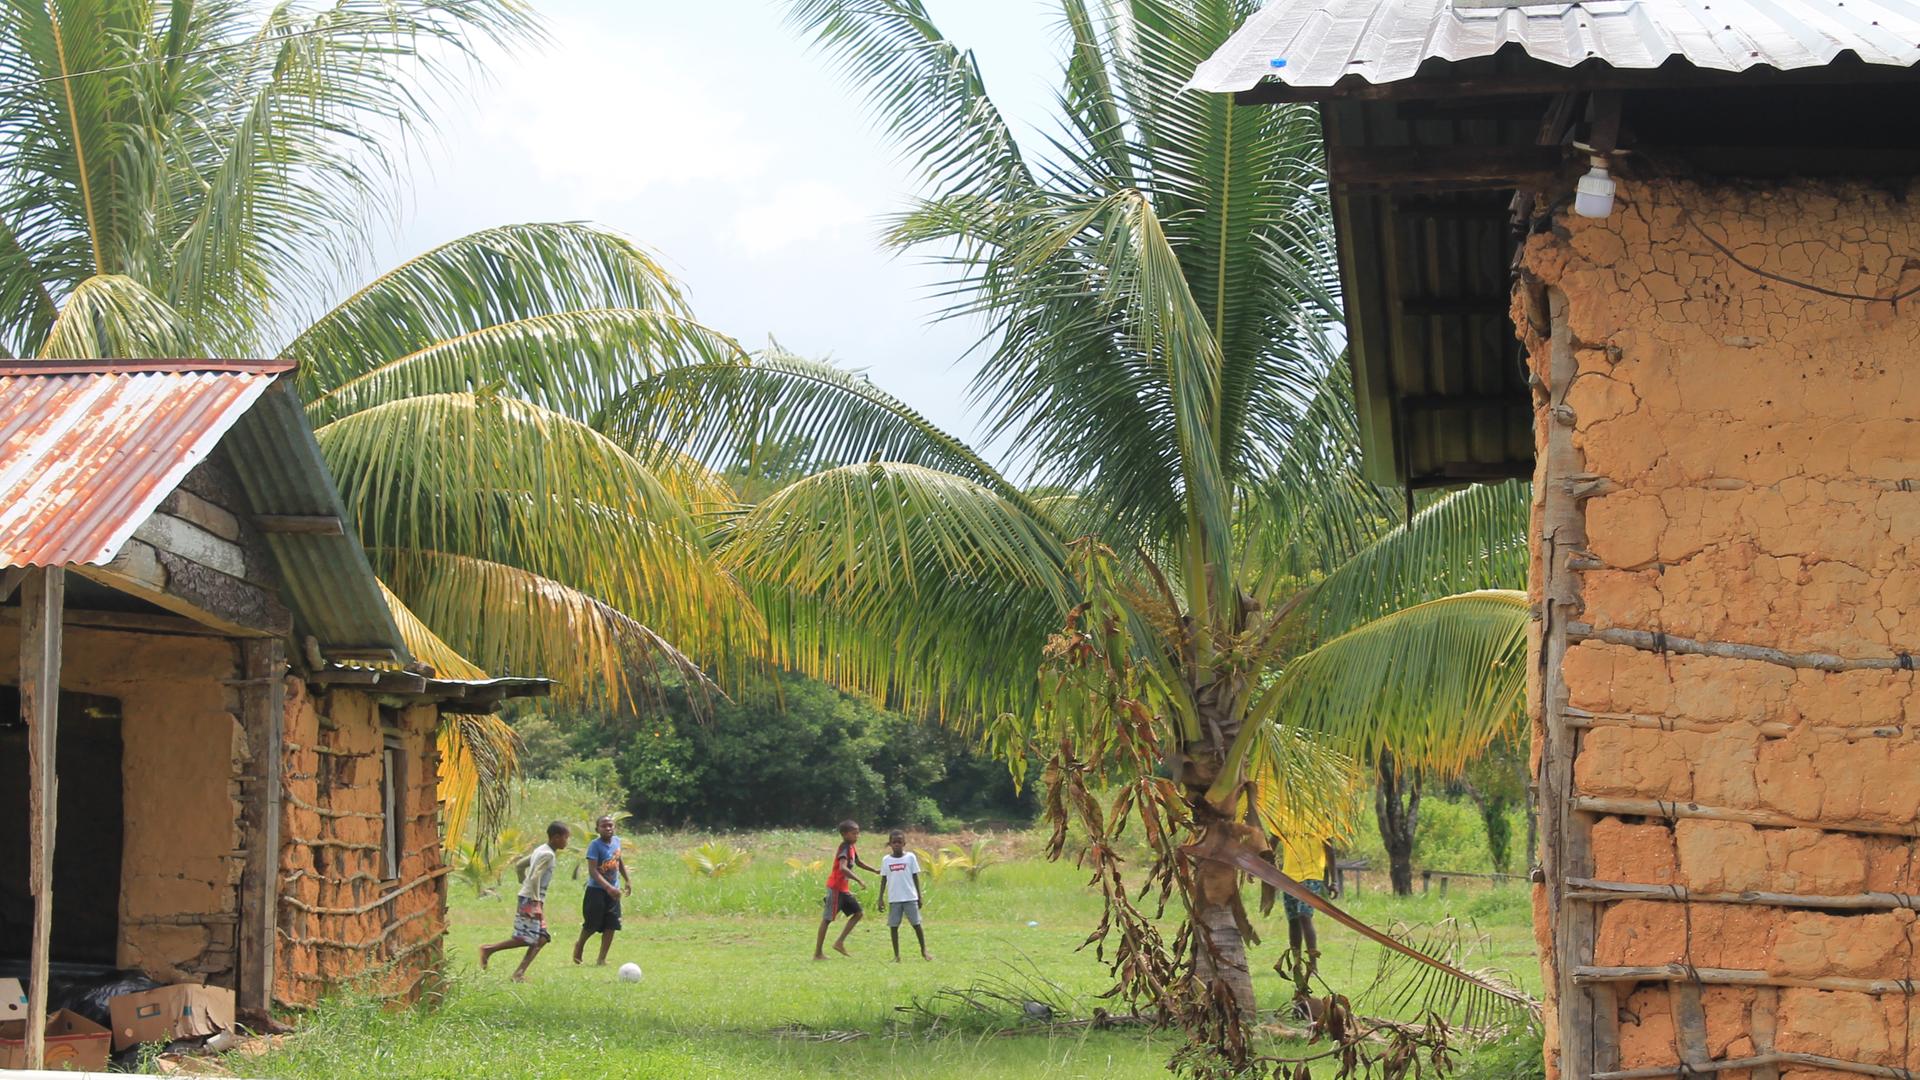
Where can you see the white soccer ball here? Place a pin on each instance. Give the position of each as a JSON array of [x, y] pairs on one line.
[[629, 972]]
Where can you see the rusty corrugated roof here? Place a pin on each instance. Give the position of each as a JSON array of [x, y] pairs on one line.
[[87, 450], [1320, 42]]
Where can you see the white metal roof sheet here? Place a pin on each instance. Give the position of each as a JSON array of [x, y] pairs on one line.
[[1320, 42]]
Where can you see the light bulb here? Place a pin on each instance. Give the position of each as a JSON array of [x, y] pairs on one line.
[[1593, 196]]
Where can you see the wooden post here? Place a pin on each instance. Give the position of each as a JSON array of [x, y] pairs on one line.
[[1588, 1025], [263, 717], [42, 599]]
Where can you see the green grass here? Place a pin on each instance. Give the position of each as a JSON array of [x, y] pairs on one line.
[[728, 966]]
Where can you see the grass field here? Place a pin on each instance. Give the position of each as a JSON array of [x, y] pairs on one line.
[[731, 990]]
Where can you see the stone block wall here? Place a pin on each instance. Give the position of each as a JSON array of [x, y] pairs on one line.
[[182, 850], [1732, 527], [343, 921]]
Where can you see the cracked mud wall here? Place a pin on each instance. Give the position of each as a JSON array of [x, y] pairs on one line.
[[1746, 471], [182, 850], [344, 919]]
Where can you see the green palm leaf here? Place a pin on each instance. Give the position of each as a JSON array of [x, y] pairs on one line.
[[905, 583], [1470, 539], [565, 316], [1434, 683], [502, 480], [924, 91], [742, 406], [113, 316]]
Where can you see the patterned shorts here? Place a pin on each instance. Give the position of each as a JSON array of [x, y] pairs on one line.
[[530, 923], [1297, 909]]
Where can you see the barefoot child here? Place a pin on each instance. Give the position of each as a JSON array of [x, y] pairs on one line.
[[839, 900], [530, 915], [607, 882], [1308, 859], [900, 873]]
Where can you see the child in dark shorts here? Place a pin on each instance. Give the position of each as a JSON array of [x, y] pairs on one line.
[[839, 900], [607, 882]]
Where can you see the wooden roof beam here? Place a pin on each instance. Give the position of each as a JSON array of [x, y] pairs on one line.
[[194, 590], [1445, 168]]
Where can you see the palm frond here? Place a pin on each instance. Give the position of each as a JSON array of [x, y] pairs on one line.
[[814, 414], [924, 91], [567, 361], [1435, 683], [1474, 538], [1311, 509], [904, 583], [1304, 783], [479, 758], [225, 154], [501, 480], [517, 621], [427, 646], [565, 316], [111, 316]]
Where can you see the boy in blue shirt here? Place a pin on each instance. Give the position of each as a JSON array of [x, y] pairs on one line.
[[607, 882]]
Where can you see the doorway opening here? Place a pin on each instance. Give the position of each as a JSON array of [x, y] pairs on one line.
[[87, 844]]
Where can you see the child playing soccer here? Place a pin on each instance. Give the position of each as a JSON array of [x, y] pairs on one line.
[[608, 882], [839, 900], [530, 914], [900, 872]]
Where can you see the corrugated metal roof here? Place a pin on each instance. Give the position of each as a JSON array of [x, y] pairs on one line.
[[1320, 42], [89, 449], [86, 455], [328, 581]]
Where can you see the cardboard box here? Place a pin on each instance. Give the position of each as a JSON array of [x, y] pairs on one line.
[[73, 1042], [13, 1000], [182, 1011]]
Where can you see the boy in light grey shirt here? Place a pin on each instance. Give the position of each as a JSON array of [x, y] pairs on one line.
[[530, 913]]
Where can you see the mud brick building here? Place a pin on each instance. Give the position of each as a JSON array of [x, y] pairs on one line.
[[208, 718], [1712, 376]]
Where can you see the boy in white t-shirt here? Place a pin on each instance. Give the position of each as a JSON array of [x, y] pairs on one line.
[[900, 874], [530, 912]]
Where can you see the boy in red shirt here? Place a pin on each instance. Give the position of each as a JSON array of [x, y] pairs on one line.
[[839, 900]]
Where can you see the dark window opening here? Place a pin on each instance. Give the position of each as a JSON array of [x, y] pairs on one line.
[[87, 843], [393, 786]]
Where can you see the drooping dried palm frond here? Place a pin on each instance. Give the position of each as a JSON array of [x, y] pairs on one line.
[[479, 757], [1438, 986], [1406, 986]]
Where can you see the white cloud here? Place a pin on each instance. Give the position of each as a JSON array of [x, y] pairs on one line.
[[611, 116], [796, 214]]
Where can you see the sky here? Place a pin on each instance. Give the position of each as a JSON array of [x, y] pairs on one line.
[[709, 131]]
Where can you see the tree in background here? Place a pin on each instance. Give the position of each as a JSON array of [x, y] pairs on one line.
[[1497, 784], [1191, 587], [176, 179], [791, 752], [1396, 803]]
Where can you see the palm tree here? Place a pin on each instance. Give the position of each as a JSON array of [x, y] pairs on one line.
[[176, 178], [1189, 584]]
